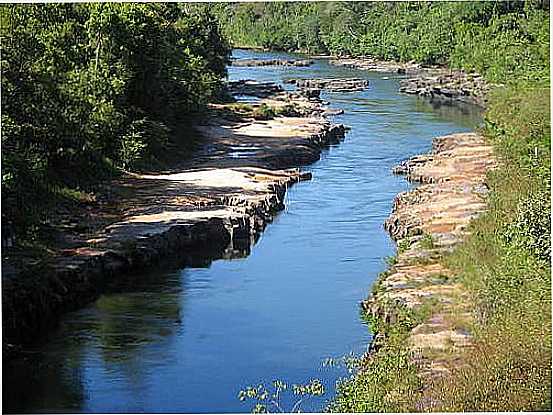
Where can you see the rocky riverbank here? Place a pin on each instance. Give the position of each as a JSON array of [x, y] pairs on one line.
[[426, 223], [333, 85], [214, 207]]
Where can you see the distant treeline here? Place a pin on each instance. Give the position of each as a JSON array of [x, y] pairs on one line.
[[91, 88], [491, 37]]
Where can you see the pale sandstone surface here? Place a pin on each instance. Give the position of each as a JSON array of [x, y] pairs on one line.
[[272, 62], [428, 221]]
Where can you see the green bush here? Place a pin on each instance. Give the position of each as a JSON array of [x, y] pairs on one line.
[[88, 88], [263, 112]]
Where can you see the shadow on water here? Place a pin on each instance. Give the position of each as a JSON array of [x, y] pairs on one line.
[[124, 321], [135, 311]]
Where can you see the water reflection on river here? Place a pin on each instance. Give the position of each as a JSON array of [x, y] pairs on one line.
[[187, 340]]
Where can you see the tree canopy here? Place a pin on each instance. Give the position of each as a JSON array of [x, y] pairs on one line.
[[88, 88]]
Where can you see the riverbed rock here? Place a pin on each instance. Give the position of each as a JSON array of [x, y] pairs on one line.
[[281, 142], [310, 93], [378, 65], [253, 88], [448, 85], [304, 102], [453, 174], [331, 84], [272, 62]]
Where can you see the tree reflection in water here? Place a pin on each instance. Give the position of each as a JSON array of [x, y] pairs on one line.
[[466, 115], [109, 336]]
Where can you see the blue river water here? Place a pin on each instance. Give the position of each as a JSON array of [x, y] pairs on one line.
[[187, 340]]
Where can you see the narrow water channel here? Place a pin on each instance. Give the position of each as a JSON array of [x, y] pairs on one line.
[[187, 340]]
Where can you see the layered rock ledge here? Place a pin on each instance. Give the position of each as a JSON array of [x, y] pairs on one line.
[[214, 206], [434, 82], [305, 102], [254, 88], [426, 222]]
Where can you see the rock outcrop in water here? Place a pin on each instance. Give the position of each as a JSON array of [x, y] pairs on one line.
[[214, 207], [304, 102], [253, 88], [427, 222], [448, 86], [377, 65], [436, 83], [272, 62], [331, 84]]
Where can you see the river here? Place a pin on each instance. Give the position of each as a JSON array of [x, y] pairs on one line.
[[187, 340]]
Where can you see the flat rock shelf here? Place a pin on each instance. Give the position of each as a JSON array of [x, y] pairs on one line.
[[428, 221], [272, 62], [335, 85]]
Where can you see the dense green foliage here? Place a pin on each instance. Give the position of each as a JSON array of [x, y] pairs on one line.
[[491, 37], [89, 88]]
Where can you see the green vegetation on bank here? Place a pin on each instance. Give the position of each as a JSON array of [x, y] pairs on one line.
[[491, 37], [505, 264], [89, 89]]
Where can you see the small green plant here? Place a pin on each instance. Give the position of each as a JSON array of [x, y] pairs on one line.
[[390, 260], [288, 110], [403, 245], [269, 399], [263, 112], [427, 242], [240, 107]]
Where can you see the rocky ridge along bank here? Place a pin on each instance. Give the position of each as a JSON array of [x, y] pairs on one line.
[[214, 207], [377, 65], [427, 222], [305, 102]]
